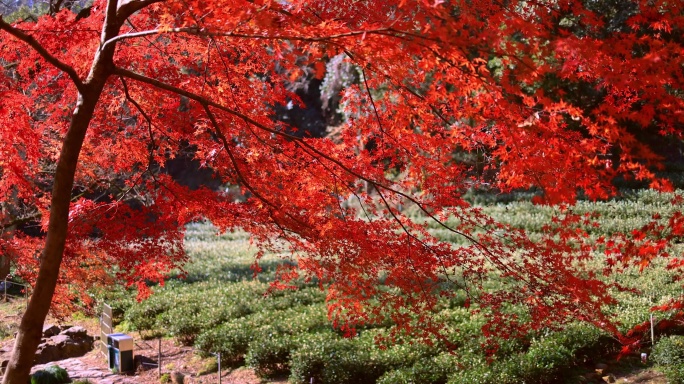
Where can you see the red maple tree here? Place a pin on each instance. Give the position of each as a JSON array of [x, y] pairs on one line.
[[554, 95]]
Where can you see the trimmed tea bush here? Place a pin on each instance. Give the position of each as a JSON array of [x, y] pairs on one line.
[[433, 370], [328, 358], [269, 355], [320, 356], [668, 354]]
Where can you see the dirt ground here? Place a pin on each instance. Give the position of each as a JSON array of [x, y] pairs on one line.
[[94, 367]]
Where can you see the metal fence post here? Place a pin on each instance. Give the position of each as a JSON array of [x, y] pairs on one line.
[[652, 331], [159, 358], [219, 367]]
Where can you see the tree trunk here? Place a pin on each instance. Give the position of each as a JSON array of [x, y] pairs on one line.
[[31, 326]]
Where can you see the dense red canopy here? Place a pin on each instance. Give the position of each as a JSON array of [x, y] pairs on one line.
[[553, 95]]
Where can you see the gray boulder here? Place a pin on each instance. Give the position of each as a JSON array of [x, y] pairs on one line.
[[50, 330], [75, 332], [70, 342]]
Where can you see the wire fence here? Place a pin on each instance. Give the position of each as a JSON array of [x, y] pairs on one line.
[[107, 329], [7, 288]]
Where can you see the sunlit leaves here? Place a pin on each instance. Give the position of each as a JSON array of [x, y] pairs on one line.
[[445, 97]]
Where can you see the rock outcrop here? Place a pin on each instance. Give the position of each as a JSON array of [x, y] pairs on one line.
[[61, 343]]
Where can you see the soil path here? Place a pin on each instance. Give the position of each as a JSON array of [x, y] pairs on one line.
[[94, 367]]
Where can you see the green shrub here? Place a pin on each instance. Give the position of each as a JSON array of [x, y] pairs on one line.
[[53, 374], [542, 359], [297, 320], [497, 372], [668, 354], [328, 358], [4, 332], [185, 311], [165, 378], [483, 374], [143, 316], [401, 376], [282, 300], [269, 355], [316, 359], [230, 339], [429, 370]]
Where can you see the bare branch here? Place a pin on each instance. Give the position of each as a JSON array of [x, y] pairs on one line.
[[30, 40], [54, 7]]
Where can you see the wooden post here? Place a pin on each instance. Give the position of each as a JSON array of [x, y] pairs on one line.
[[159, 357]]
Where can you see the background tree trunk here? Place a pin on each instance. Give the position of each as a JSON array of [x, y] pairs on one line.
[[4, 266], [4, 256], [7, 229]]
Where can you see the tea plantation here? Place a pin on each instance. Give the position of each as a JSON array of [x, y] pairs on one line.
[[220, 307]]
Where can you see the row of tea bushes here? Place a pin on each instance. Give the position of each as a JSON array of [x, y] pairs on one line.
[[289, 333], [221, 309], [185, 311]]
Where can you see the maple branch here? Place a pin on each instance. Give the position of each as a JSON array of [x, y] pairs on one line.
[[54, 7], [21, 220], [153, 143], [143, 113], [30, 40], [241, 177], [304, 145], [375, 109], [196, 31], [128, 7], [226, 146], [410, 236], [398, 85], [248, 126]]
